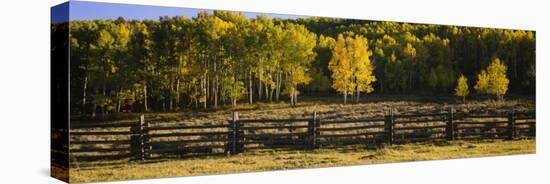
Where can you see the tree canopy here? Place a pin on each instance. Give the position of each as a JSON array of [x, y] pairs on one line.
[[493, 80], [461, 89], [225, 58], [352, 70]]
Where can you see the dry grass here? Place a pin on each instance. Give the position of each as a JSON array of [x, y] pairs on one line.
[[332, 107], [278, 160]]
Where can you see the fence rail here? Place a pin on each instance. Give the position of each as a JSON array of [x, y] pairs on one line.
[[143, 141]]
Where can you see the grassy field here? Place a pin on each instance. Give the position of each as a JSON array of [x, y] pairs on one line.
[[333, 107], [327, 108], [278, 160]]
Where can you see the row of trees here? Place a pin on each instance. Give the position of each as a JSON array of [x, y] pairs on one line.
[[425, 59], [210, 60], [224, 57], [492, 81]]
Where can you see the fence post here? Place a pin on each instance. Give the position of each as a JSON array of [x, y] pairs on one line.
[[136, 140], [145, 137], [511, 125], [235, 131], [449, 130], [312, 130], [317, 132], [388, 127]]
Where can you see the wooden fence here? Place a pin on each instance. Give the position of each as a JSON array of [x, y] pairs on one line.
[[139, 140]]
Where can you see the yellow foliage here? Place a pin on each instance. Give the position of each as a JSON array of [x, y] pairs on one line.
[[461, 89], [350, 65], [493, 80]]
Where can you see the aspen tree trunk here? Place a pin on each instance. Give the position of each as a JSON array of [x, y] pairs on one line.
[[171, 98], [215, 88], [178, 105], [278, 86], [94, 106], [292, 99], [272, 90], [85, 88], [205, 91], [352, 95], [345, 96], [260, 80], [250, 93], [223, 97], [204, 81], [266, 92], [118, 100], [345, 92], [145, 103], [145, 97], [217, 92], [135, 98]]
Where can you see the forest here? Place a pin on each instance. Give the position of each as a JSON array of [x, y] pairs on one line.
[[225, 58]]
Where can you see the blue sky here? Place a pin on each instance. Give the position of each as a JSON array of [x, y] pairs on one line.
[[83, 10]]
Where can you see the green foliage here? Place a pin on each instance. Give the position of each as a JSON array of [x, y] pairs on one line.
[[440, 78], [214, 58], [319, 81], [298, 44], [394, 74], [319, 71]]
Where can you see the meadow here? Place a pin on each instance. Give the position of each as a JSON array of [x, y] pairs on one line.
[[291, 159], [332, 107], [272, 159]]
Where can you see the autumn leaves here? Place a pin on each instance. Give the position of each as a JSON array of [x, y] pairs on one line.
[[352, 70]]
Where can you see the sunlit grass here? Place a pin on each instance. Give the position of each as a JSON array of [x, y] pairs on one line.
[[277, 160]]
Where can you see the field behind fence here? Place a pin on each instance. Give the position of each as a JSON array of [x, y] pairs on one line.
[[144, 139]]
